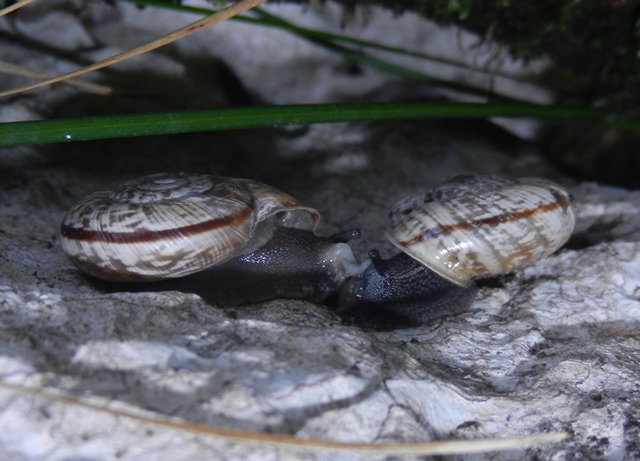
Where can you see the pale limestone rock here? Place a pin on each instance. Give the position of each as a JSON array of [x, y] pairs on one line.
[[552, 347]]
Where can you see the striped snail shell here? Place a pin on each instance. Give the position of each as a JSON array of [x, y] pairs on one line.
[[480, 226], [172, 225]]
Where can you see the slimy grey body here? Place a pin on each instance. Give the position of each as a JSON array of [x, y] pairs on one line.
[[400, 292]]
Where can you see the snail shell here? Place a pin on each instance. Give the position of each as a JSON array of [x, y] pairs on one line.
[[479, 226], [172, 225]]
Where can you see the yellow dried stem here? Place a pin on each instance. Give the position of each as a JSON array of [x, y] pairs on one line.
[[14, 7], [283, 440], [87, 87]]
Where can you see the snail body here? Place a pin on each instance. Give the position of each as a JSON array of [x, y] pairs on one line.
[[291, 264], [236, 241], [400, 292]]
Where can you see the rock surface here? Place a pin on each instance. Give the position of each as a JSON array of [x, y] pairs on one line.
[[553, 347]]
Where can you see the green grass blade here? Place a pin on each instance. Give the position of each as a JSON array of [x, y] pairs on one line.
[[305, 32], [117, 126], [335, 43]]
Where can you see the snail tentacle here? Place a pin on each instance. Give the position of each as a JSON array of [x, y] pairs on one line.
[[345, 236]]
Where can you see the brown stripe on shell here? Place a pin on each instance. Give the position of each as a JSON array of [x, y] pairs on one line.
[[145, 235], [490, 221]]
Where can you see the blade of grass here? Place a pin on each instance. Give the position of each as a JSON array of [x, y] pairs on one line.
[[333, 42], [276, 21], [271, 20], [80, 129], [221, 15], [328, 41], [406, 72]]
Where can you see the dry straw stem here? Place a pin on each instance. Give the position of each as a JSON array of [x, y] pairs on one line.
[[288, 441], [87, 87], [189, 29], [14, 7]]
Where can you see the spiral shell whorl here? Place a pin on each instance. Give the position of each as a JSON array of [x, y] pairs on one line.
[[161, 187], [481, 226], [167, 225]]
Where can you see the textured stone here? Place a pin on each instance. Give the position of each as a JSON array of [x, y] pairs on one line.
[[552, 347]]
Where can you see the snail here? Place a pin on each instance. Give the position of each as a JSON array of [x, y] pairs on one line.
[[237, 241], [469, 227], [243, 241]]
